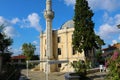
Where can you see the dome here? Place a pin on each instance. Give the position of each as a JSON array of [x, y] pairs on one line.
[[68, 24]]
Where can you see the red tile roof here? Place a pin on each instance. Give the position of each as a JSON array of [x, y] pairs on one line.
[[18, 57]]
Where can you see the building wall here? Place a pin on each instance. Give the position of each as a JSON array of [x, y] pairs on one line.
[[65, 44]]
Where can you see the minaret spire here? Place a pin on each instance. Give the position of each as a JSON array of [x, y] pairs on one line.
[[49, 15], [48, 5]]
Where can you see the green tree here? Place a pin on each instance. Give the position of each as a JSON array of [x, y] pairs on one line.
[[5, 53], [5, 42], [28, 50], [85, 38], [99, 57]]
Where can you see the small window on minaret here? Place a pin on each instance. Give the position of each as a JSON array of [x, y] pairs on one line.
[[58, 39], [59, 51], [45, 52]]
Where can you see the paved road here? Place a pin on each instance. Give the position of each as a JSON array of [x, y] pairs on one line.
[[37, 75]]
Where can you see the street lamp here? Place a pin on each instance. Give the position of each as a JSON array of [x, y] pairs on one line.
[[118, 26]]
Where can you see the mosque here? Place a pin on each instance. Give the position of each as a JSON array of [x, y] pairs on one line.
[[57, 44]]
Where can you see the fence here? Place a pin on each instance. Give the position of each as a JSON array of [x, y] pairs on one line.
[[33, 70]]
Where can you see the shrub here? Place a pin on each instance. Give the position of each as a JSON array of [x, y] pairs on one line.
[[79, 67], [114, 67]]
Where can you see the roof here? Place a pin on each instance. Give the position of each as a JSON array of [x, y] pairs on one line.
[[106, 54], [18, 57], [109, 48], [68, 24], [117, 45], [113, 47]]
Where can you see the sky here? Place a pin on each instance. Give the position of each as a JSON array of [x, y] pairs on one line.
[[24, 20]]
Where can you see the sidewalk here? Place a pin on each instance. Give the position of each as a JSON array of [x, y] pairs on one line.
[[37, 75]]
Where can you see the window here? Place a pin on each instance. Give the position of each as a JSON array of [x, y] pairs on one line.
[[73, 51], [59, 51], [59, 65], [74, 62], [58, 39]]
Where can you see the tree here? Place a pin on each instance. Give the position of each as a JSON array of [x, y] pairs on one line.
[[5, 42], [5, 55], [85, 38], [28, 50], [35, 57], [99, 57]]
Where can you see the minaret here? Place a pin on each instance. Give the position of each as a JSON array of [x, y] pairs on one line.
[[49, 15]]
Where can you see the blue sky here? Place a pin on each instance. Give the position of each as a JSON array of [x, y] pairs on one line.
[[24, 19]]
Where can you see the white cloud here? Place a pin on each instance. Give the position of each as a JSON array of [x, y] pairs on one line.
[[10, 31], [15, 20], [117, 19], [69, 2], [107, 18], [119, 37], [7, 22], [35, 42], [107, 31], [4, 21], [108, 5], [114, 42], [34, 21]]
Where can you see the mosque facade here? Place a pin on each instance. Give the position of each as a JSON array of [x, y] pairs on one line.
[[62, 48]]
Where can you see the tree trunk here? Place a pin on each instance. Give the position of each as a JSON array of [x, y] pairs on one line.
[[90, 57]]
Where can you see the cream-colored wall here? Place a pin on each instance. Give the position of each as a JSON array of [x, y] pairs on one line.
[[66, 49]]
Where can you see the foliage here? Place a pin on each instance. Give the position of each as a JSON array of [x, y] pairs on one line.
[[28, 50], [5, 42], [35, 57], [84, 35], [99, 57], [79, 67], [5, 58], [114, 67], [10, 72]]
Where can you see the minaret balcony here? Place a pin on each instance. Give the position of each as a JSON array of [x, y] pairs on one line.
[[49, 14]]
